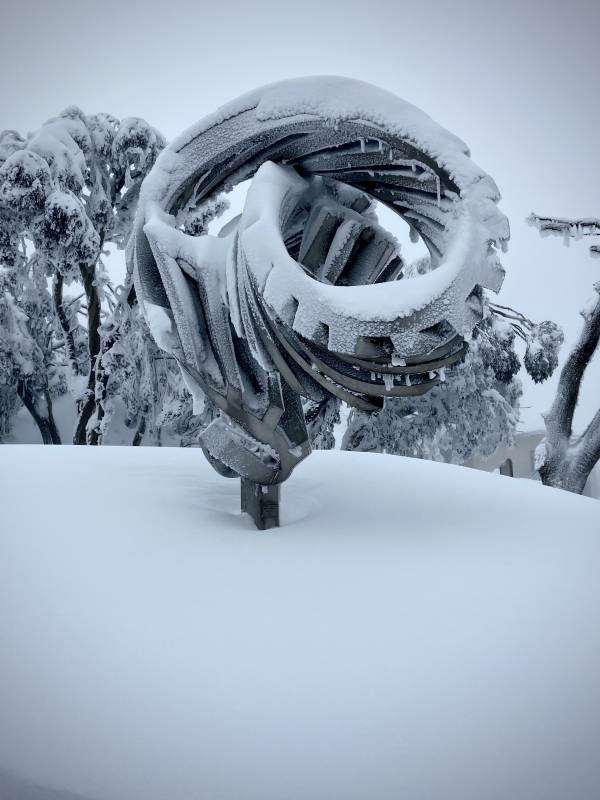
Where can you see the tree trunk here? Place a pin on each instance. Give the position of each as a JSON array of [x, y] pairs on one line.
[[51, 421], [563, 473], [568, 460], [57, 297], [45, 424], [88, 406], [102, 376], [141, 430]]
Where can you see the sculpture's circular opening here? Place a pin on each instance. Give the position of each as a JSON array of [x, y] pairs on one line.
[[368, 161]]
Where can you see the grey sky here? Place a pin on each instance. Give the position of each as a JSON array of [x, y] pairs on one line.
[[516, 80]]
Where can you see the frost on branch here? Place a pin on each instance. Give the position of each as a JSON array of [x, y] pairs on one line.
[[195, 222], [567, 228]]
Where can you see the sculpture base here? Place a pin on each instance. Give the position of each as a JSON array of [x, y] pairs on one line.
[[261, 503]]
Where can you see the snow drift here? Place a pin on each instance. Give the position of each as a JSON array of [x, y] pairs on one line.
[[413, 630]]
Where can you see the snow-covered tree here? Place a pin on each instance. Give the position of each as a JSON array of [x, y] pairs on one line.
[[67, 191], [542, 343], [30, 366], [565, 459], [143, 384]]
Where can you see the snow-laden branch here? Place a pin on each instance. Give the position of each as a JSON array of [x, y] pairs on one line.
[[543, 340], [567, 228]]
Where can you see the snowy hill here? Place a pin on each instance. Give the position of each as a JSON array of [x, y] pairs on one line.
[[414, 631]]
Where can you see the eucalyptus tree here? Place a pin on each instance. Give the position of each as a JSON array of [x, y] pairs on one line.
[[66, 192]]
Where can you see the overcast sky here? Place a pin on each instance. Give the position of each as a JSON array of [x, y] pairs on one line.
[[518, 81]]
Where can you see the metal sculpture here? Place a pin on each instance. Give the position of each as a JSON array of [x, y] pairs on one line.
[[303, 294]]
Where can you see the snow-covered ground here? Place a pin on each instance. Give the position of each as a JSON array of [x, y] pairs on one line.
[[414, 630]]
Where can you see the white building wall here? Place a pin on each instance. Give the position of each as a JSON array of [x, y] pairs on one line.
[[521, 454]]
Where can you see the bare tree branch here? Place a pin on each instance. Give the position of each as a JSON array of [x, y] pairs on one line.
[[511, 313]]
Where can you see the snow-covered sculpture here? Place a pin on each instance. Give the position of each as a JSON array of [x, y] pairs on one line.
[[303, 294]]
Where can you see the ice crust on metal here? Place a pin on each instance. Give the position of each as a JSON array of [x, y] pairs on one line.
[[303, 296]]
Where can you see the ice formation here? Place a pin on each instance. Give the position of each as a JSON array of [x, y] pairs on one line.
[[303, 294]]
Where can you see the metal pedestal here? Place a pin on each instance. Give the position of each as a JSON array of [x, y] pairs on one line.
[[261, 503]]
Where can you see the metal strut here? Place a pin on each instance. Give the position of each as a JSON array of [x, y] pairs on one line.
[[261, 503]]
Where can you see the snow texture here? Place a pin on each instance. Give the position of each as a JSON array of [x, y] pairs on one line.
[[414, 630], [336, 99]]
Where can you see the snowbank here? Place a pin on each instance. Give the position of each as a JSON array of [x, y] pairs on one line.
[[414, 631]]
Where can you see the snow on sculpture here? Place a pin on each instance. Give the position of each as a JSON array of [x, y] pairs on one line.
[[303, 294]]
